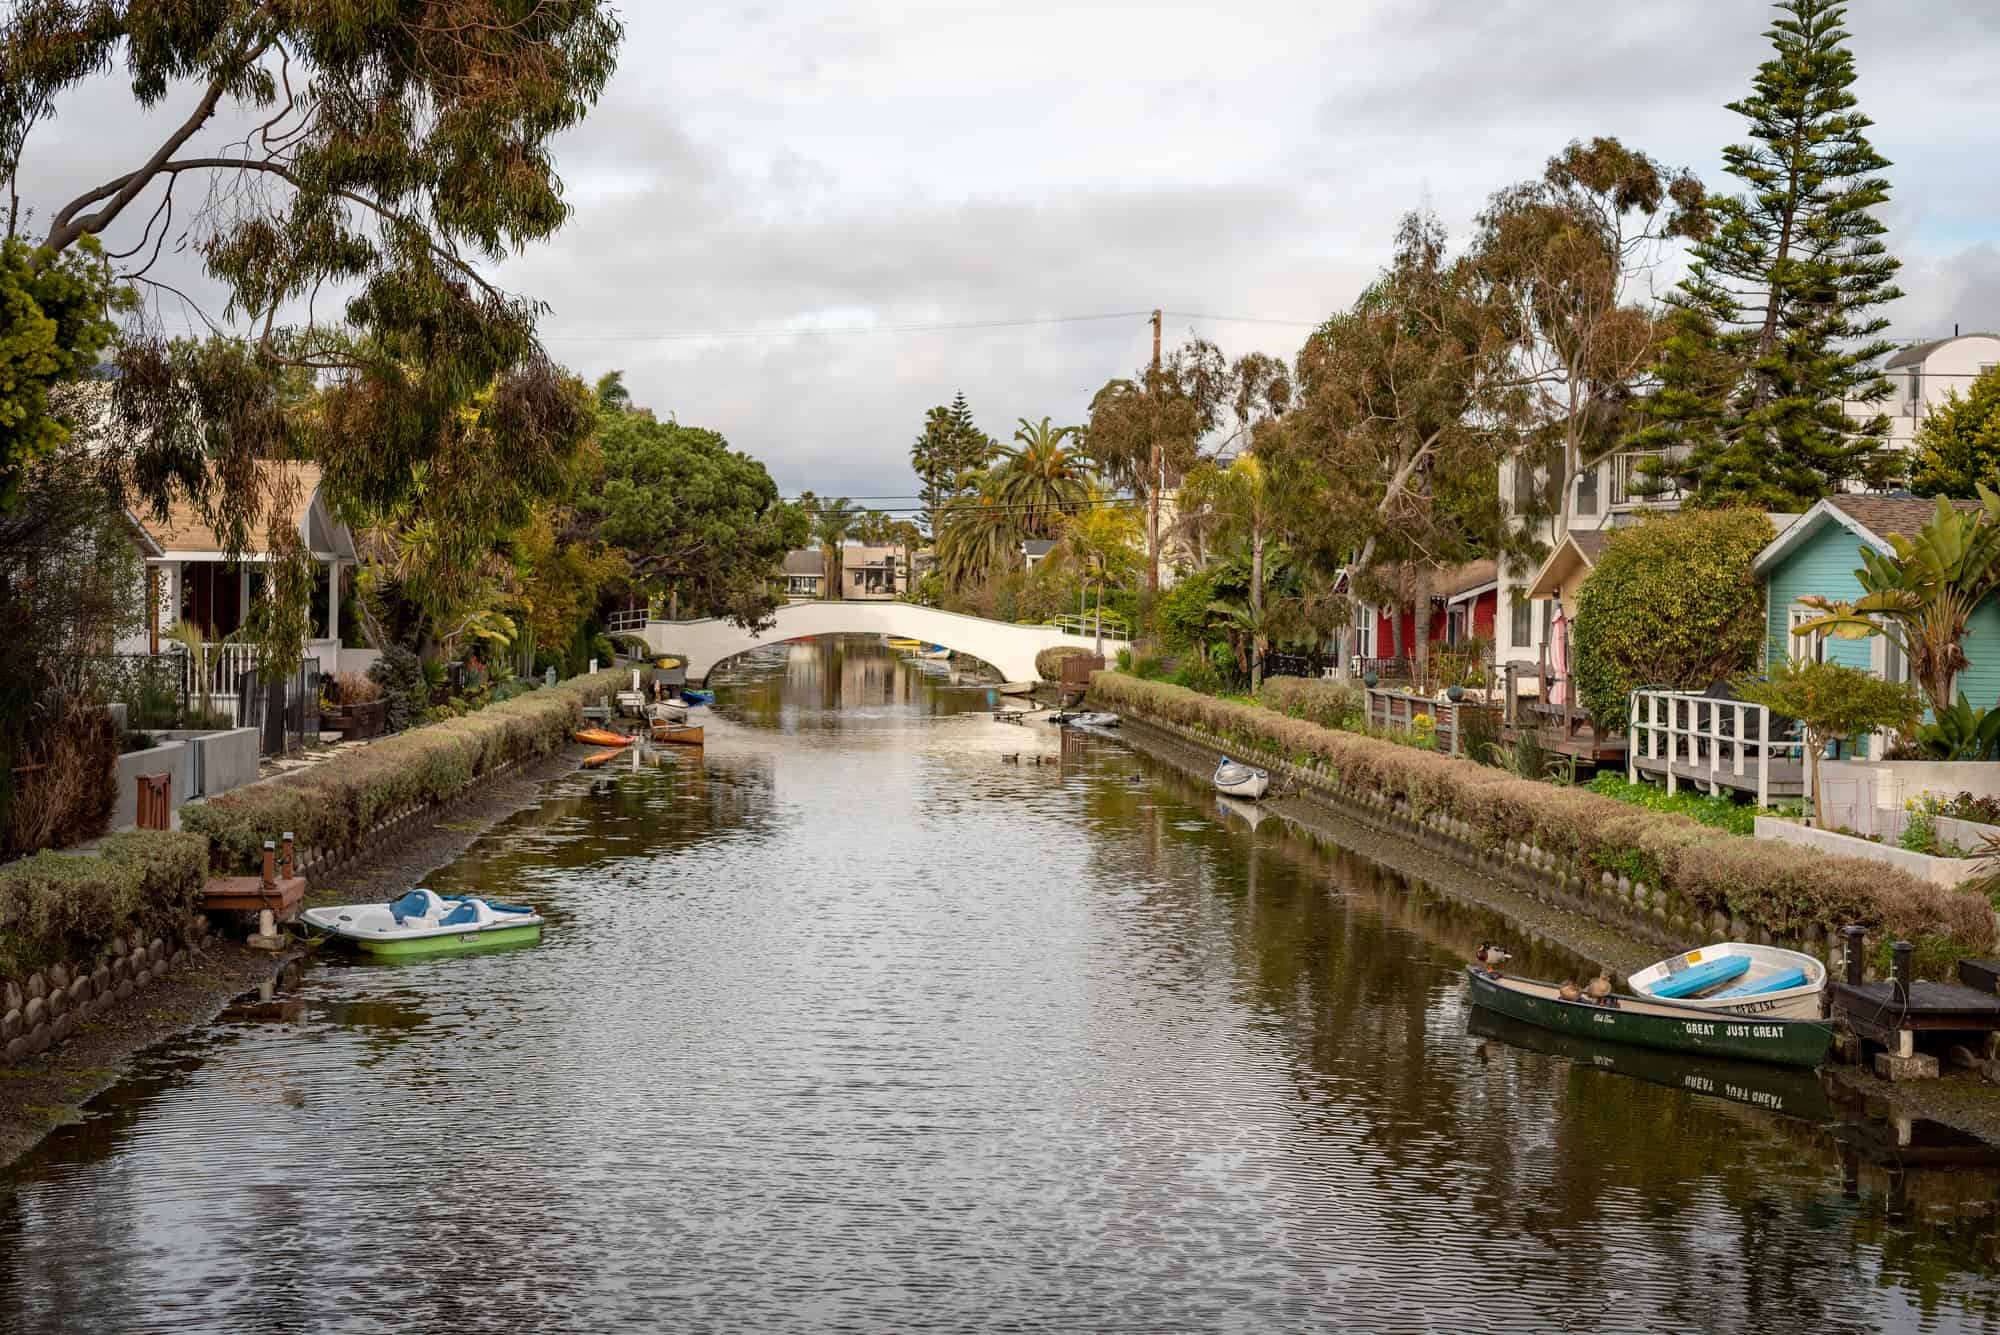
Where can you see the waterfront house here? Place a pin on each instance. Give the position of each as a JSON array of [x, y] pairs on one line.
[[1818, 555], [804, 573], [1034, 551], [1922, 375], [190, 579], [1463, 603]]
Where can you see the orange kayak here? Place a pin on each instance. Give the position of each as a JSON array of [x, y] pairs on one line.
[[603, 737], [598, 758]]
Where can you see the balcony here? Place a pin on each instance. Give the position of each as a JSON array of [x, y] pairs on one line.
[[1629, 482]]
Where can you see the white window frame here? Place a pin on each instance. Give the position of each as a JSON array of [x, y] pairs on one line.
[[1812, 646]]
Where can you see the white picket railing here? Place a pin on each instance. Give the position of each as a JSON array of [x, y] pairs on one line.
[[220, 668], [1714, 736], [1087, 623]]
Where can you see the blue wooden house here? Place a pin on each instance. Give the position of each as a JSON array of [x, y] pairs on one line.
[[1819, 553]]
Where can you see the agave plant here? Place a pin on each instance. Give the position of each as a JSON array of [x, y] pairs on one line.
[[1923, 596]]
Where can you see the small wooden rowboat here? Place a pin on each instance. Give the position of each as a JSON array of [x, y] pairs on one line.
[[1235, 779], [1738, 976], [1643, 1022], [602, 737], [677, 734]]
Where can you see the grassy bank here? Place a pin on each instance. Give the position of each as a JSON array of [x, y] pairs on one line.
[[329, 807], [1706, 870]]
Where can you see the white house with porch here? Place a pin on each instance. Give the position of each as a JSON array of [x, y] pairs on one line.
[[190, 579]]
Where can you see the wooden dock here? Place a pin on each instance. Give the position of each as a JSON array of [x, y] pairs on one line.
[[1783, 778], [1893, 1011]]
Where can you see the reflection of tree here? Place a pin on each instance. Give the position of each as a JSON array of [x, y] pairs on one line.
[[1617, 1188]]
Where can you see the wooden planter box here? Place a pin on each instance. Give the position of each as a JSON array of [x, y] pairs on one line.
[[355, 721]]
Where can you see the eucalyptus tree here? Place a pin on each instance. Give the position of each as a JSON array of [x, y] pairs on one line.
[[1567, 255], [1776, 330], [1399, 401], [341, 172], [1244, 501], [1146, 432]]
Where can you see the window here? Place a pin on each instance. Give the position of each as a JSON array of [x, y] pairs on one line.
[[1586, 490], [1524, 486], [1915, 397], [1522, 631], [1809, 646]]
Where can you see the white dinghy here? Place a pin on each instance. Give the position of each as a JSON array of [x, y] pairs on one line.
[[1738, 976], [1095, 720], [1234, 779]]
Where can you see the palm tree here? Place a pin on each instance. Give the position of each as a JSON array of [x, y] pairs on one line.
[[980, 535], [1043, 478], [831, 523], [1240, 501]]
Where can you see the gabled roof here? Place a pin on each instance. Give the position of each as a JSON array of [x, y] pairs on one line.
[[1466, 581], [1871, 519], [184, 534], [1573, 558], [1037, 547], [1918, 353]]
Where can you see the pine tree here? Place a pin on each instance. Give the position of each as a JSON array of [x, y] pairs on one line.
[[1771, 332]]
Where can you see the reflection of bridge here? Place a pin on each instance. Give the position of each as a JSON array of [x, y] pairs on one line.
[[1009, 648]]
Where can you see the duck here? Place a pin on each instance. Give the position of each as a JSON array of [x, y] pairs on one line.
[[1599, 987], [1570, 992], [1013, 759], [1492, 955]]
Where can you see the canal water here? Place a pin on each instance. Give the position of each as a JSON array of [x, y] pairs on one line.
[[864, 1020]]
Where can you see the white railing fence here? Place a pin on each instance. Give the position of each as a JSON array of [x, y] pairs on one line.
[[216, 674], [1712, 737], [1087, 623]]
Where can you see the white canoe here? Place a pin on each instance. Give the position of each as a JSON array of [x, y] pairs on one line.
[[1095, 720], [1016, 688], [423, 923], [1238, 780], [666, 712], [1738, 976]]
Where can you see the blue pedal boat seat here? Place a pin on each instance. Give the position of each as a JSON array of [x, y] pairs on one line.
[[1700, 977]]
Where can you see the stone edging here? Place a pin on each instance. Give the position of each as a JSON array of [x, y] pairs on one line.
[[1650, 914], [59, 998]]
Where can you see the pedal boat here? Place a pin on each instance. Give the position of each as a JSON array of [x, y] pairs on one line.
[[423, 923]]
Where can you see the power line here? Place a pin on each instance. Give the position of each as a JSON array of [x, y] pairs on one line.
[[941, 326]]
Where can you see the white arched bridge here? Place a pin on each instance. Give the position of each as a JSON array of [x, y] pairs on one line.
[[1009, 648]]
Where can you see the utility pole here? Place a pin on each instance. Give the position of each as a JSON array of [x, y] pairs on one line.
[[1159, 470]]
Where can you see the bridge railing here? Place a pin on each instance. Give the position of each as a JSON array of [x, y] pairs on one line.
[[1113, 626]]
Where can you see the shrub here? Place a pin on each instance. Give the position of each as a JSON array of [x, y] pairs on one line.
[[1330, 704], [1672, 602], [1709, 871], [356, 688], [330, 806], [400, 675], [1048, 663], [67, 779], [62, 908]]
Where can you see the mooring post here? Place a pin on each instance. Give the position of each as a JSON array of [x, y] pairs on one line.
[[1857, 959], [287, 863], [1900, 955], [270, 864]]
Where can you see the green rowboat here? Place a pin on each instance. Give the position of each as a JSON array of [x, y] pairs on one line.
[[1643, 1022]]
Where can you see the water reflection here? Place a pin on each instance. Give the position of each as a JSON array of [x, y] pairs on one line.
[[848, 1021]]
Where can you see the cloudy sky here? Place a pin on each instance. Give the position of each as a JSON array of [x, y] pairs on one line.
[[851, 164]]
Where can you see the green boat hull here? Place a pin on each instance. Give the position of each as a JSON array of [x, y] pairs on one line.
[[1652, 1024], [450, 943]]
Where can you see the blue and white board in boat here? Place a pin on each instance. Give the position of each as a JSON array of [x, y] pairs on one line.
[[423, 923], [1738, 976]]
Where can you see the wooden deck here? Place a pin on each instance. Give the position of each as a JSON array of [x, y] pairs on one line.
[[1879, 1014], [1787, 777], [247, 894]]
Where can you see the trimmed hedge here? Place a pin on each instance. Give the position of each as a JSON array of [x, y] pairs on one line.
[[1774, 886], [66, 909], [1048, 663], [1327, 703], [330, 806]]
